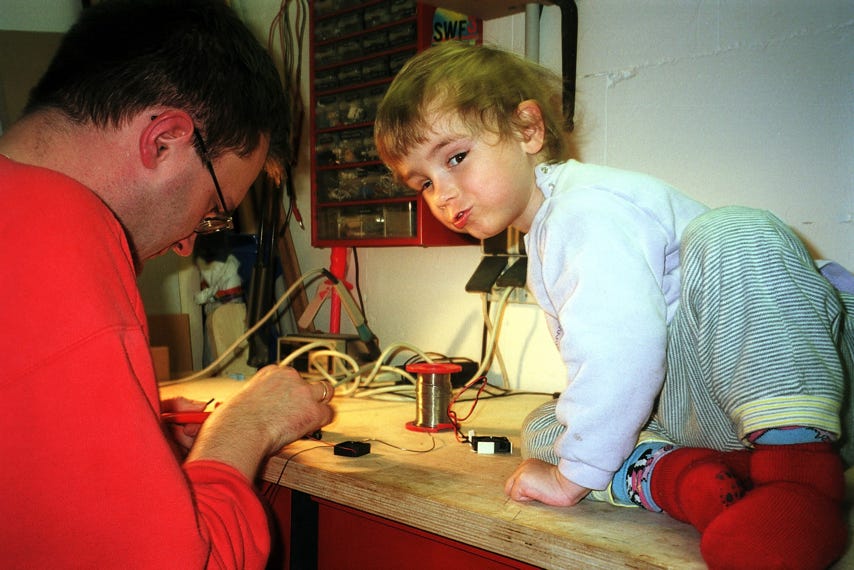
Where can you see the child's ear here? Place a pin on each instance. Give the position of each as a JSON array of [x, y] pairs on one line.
[[533, 129]]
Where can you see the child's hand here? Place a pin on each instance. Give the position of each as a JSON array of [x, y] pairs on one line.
[[536, 480]]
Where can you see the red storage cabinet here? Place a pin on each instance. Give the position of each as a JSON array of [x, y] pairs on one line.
[[352, 539], [356, 49]]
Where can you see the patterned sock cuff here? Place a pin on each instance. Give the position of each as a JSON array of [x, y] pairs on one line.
[[630, 485]]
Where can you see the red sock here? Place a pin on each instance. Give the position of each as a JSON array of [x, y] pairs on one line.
[[792, 518], [695, 485]]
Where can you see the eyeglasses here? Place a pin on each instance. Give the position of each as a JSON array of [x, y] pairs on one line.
[[221, 219]]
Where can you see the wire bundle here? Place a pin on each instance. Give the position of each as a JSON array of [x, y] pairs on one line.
[[381, 378]]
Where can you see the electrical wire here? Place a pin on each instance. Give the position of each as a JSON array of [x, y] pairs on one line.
[[358, 381], [493, 350], [213, 366], [495, 333], [348, 377], [287, 34], [358, 377], [397, 447], [357, 267], [456, 421], [272, 489]]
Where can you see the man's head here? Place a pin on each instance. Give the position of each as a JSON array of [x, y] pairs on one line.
[[125, 56], [166, 109]]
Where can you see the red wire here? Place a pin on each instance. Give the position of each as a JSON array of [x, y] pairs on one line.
[[452, 415]]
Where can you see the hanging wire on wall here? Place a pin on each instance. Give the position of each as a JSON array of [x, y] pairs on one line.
[[285, 40]]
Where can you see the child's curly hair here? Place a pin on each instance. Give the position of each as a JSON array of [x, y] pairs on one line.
[[483, 85]]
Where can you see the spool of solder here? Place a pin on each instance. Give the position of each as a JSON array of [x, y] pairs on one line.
[[432, 395]]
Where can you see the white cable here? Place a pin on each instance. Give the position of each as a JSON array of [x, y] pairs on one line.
[[302, 350], [388, 391], [496, 350], [205, 372], [360, 377], [338, 356], [392, 350], [359, 381], [495, 331]]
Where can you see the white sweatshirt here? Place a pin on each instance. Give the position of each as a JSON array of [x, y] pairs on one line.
[[603, 263]]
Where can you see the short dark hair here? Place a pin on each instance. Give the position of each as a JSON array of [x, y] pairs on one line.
[[123, 56]]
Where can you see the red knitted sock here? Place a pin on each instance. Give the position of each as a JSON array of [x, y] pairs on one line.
[[695, 485], [792, 518]]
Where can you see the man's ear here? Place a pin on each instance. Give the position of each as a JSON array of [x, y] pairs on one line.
[[533, 129], [164, 133]]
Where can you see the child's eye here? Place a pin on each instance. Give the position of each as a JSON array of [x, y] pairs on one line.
[[457, 158], [425, 185]]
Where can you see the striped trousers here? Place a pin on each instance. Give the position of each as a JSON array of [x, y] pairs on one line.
[[760, 340]]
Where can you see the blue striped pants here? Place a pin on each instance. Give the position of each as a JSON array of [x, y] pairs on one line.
[[760, 340]]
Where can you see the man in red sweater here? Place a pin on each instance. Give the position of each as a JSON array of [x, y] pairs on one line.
[[148, 128]]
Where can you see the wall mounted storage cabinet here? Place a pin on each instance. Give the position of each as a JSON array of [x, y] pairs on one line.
[[356, 49]]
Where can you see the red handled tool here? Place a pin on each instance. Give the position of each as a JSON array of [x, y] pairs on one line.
[[187, 417], [184, 417]]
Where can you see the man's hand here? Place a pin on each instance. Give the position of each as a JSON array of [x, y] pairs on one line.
[[275, 408], [536, 480], [183, 434]]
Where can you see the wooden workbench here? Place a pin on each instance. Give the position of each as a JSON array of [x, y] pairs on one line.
[[455, 493]]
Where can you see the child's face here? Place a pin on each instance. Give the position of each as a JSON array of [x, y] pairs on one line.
[[475, 183]]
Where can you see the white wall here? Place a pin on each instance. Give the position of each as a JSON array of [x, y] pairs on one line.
[[734, 101], [38, 15]]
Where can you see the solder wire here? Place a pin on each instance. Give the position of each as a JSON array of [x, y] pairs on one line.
[[432, 396]]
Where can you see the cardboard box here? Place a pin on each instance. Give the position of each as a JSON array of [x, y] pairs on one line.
[[173, 331], [160, 357]]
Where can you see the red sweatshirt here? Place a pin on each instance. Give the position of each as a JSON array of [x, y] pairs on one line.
[[88, 478]]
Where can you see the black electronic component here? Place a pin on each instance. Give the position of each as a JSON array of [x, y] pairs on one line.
[[491, 445], [352, 448], [469, 368], [485, 274], [515, 275]]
